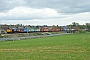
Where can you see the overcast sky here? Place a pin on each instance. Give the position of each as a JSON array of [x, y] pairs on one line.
[[44, 12]]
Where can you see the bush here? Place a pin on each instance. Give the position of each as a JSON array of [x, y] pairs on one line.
[[81, 31], [89, 30], [1, 36]]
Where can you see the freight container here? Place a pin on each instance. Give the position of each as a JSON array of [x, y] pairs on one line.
[[31, 30], [14, 30], [72, 29], [20, 30], [45, 29], [86, 29], [76, 29], [25, 30], [54, 29], [61, 29], [50, 29], [67, 29], [64, 29], [58, 29], [41, 30], [37, 30]]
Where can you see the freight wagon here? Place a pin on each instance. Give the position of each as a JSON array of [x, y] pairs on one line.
[[33, 30]]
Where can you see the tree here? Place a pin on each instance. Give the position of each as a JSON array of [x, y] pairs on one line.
[[75, 24], [88, 25], [53, 26]]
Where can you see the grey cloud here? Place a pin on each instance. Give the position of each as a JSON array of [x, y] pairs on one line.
[[62, 6], [6, 5]]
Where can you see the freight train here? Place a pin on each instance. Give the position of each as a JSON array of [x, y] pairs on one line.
[[28, 30]]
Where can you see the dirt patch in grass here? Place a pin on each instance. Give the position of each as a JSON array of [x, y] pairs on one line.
[[17, 50], [57, 50]]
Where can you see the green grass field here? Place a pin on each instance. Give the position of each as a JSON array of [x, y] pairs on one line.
[[64, 47]]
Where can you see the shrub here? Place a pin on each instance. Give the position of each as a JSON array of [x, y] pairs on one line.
[[81, 31], [88, 30], [1, 36]]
